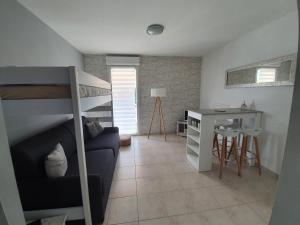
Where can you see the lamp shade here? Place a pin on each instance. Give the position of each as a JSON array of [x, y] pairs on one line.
[[158, 92]]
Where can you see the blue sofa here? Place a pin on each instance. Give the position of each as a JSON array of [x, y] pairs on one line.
[[37, 191]]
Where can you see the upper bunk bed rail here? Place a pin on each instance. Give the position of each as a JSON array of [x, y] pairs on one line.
[[47, 90]]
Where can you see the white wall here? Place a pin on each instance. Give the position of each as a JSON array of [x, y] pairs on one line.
[[276, 39], [26, 41]]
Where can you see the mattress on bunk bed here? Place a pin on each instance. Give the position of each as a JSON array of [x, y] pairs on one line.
[[37, 191], [15, 92]]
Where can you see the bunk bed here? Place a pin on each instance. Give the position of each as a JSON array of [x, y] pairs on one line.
[[55, 90]]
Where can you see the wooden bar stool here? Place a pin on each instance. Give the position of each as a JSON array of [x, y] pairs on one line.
[[246, 134], [220, 124], [233, 134]]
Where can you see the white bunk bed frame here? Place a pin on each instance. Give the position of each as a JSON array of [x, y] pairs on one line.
[[73, 105]]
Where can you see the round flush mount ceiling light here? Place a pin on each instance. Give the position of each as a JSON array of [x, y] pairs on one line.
[[155, 29]]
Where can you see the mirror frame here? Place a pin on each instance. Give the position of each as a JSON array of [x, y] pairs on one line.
[[290, 82]]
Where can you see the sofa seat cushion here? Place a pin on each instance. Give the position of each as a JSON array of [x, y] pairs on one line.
[[98, 162], [104, 141]]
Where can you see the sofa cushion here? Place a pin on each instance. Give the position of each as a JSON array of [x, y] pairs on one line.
[[99, 162], [104, 141], [29, 155]]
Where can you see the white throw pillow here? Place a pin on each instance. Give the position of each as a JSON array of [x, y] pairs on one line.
[[56, 163]]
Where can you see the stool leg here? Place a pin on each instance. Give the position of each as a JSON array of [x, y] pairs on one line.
[[214, 141], [243, 149], [225, 152], [234, 150], [257, 155], [230, 151], [216, 144], [222, 159]]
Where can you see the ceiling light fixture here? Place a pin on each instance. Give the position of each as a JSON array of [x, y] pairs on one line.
[[155, 29]]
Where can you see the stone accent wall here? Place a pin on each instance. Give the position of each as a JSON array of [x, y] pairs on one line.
[[96, 65], [179, 75]]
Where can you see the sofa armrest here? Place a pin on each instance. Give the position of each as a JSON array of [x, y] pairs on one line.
[[61, 192], [108, 130]]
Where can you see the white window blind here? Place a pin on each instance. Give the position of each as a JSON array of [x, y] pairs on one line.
[[123, 81]]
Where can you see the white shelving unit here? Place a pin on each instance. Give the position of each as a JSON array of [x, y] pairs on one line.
[[193, 139]]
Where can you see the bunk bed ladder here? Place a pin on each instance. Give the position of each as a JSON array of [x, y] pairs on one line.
[[80, 145], [9, 198]]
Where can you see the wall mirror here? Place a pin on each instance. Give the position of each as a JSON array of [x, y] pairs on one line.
[[273, 72]]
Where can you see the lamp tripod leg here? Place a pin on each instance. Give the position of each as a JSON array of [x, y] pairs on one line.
[[153, 114], [162, 118]]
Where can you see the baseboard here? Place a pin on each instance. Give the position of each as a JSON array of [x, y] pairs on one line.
[[270, 172]]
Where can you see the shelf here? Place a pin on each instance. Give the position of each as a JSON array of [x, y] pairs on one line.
[[194, 128], [194, 148], [194, 138], [194, 160]]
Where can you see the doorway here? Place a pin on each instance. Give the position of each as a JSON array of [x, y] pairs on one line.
[[123, 80]]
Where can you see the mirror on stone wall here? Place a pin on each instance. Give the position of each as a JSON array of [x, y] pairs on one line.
[[273, 72]]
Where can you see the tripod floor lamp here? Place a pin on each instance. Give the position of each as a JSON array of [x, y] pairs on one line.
[[158, 93]]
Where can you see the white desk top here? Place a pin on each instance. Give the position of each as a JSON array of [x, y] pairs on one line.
[[225, 111]]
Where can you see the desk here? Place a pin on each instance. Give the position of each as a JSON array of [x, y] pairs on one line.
[[201, 132]]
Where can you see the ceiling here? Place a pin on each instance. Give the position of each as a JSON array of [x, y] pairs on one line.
[[192, 27]]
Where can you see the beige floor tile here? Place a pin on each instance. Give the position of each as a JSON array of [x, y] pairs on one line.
[[148, 185], [226, 196], [151, 207], [125, 161], [190, 180], [177, 158], [263, 209], [124, 173], [107, 212], [209, 179], [162, 221], [218, 217], [123, 210], [123, 188], [190, 219], [148, 159], [201, 199], [126, 151], [244, 215], [248, 193], [176, 202], [153, 171], [183, 167], [146, 171], [170, 183]]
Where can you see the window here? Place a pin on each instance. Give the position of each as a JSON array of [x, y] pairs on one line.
[[266, 75], [123, 80]]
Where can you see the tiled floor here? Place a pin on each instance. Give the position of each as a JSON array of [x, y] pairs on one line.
[[155, 185]]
